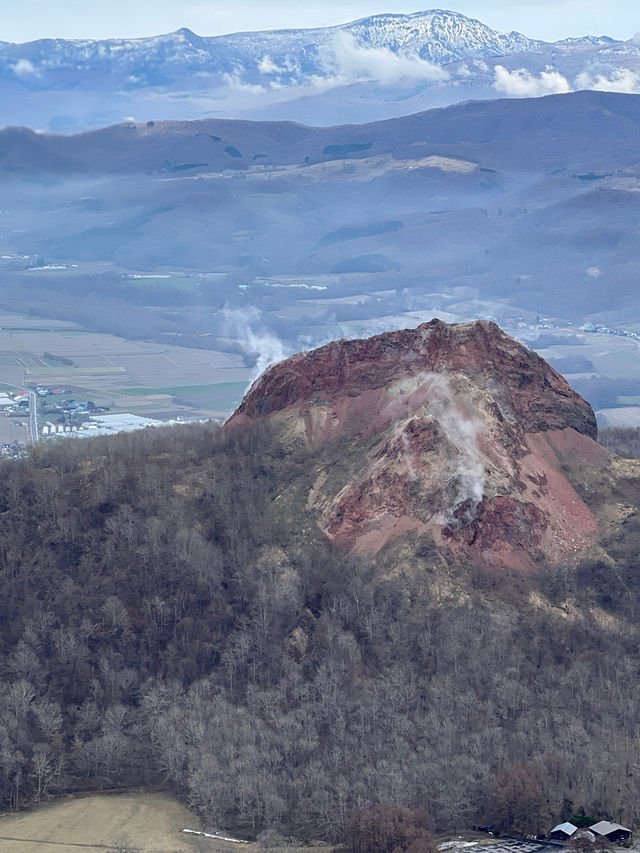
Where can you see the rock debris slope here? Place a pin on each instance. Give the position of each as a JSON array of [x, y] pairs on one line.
[[457, 432]]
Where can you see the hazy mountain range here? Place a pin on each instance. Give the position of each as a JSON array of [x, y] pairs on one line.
[[530, 201], [374, 68]]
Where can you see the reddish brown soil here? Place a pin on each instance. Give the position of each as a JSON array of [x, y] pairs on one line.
[[470, 431]]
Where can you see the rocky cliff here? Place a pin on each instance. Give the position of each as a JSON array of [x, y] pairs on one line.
[[457, 432]]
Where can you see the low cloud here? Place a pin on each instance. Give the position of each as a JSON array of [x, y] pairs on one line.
[[526, 84], [617, 80], [267, 65], [237, 84], [25, 68], [345, 61], [523, 84]]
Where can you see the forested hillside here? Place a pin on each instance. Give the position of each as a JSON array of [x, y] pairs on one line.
[[169, 616]]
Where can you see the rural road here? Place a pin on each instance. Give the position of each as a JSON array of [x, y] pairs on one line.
[[33, 416]]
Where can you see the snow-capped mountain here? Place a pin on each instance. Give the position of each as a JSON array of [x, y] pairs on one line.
[[438, 36], [377, 67]]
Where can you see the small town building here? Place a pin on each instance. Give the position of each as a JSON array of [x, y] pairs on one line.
[[562, 832], [613, 832]]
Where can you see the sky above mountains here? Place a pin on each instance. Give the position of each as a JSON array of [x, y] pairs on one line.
[[544, 19]]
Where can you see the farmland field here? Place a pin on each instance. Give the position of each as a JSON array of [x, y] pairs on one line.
[[628, 416], [138, 376], [178, 282], [148, 822]]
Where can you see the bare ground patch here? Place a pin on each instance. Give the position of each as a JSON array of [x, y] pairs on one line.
[[150, 823]]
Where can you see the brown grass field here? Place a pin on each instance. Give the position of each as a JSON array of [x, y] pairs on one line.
[[149, 823]]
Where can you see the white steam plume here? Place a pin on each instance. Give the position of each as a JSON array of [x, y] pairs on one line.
[[462, 433], [245, 328], [408, 455], [523, 84]]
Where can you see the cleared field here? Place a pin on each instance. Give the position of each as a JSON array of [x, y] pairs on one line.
[[628, 416], [66, 372], [177, 282], [10, 320], [611, 356], [224, 395], [148, 822], [136, 376], [13, 431], [615, 357]]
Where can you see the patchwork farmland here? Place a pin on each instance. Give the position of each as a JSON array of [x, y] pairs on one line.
[[145, 378]]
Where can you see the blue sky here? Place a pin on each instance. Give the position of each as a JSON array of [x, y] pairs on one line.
[[546, 19]]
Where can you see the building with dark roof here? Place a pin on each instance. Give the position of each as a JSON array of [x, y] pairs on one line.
[[613, 832], [562, 832]]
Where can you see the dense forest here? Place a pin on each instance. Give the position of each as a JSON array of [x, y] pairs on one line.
[[168, 619]]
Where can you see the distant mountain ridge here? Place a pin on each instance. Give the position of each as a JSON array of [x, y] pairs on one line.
[[437, 35], [532, 201], [377, 67]]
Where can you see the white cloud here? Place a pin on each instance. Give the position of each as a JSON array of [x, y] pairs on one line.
[[523, 84], [268, 66], [25, 68], [617, 80], [236, 83], [347, 62]]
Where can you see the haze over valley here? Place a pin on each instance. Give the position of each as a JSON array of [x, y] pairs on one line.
[[259, 239]]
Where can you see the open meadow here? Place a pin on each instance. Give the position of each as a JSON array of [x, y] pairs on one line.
[[148, 823]]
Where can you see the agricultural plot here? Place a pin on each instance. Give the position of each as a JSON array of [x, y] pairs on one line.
[[627, 416], [138, 376], [611, 356], [148, 823], [188, 283], [13, 431]]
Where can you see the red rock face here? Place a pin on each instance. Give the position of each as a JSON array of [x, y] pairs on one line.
[[462, 420]]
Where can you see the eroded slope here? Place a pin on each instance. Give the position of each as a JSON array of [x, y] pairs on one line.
[[455, 431]]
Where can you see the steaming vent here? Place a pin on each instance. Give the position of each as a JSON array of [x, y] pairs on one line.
[[454, 432]]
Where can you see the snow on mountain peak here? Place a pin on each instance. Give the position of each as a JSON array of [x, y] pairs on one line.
[[438, 35]]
